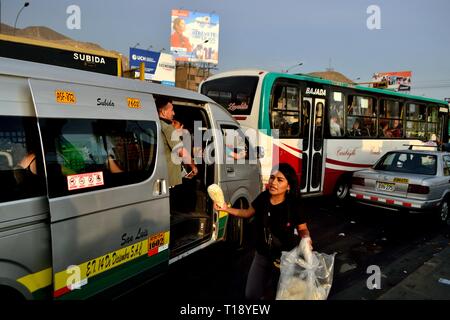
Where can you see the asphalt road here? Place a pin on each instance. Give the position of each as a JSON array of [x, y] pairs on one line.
[[361, 236]]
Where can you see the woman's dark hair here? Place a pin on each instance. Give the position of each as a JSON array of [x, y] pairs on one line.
[[291, 177]]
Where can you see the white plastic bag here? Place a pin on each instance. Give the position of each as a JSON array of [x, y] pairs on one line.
[[305, 274]]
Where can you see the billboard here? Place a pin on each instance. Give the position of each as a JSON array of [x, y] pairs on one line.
[[195, 36], [398, 81], [159, 66]]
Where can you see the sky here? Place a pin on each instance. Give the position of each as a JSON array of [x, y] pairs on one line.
[[274, 35]]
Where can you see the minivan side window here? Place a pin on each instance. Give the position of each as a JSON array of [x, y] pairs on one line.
[[83, 155], [21, 170], [236, 145]]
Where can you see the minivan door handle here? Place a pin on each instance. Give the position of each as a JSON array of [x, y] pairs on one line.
[[230, 169], [159, 187]]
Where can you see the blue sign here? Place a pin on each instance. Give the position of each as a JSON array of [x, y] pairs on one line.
[[159, 67], [150, 59]]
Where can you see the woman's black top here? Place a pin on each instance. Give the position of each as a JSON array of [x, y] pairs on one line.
[[275, 224]]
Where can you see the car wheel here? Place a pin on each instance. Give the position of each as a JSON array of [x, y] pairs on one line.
[[442, 214]]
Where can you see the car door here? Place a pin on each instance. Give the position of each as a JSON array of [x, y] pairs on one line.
[[106, 178]]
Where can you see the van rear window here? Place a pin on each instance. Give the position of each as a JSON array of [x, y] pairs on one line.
[[116, 152]]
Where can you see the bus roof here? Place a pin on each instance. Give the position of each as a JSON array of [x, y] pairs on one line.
[[28, 69], [274, 75]]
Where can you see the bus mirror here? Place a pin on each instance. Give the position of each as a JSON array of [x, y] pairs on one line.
[[259, 152]]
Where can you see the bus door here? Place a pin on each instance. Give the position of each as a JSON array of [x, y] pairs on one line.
[[312, 115], [107, 189]]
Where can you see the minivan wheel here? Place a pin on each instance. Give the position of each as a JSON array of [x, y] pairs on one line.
[[235, 227]]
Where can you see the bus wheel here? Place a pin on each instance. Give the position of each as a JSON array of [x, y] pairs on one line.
[[235, 227], [342, 191]]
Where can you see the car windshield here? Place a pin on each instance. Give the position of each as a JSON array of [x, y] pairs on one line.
[[417, 163]]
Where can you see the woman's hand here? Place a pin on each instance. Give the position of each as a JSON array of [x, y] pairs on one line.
[[219, 208], [309, 241]]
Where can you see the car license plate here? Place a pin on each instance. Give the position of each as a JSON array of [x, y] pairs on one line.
[[383, 186]]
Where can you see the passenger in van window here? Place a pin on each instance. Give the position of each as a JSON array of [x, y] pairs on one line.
[[28, 162], [112, 163], [26, 173], [172, 143], [280, 221]]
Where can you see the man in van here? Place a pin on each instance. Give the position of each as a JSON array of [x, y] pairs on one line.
[[173, 146]]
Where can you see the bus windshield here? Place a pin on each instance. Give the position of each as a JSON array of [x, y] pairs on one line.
[[233, 93]]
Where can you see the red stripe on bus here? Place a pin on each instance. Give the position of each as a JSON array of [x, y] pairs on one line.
[[407, 204], [292, 148], [390, 201], [347, 164], [239, 118], [374, 198], [359, 196]]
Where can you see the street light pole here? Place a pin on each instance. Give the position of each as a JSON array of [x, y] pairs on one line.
[[26, 4], [295, 65]]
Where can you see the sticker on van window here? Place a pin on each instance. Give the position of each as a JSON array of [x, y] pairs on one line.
[[66, 97], [134, 103], [85, 180]]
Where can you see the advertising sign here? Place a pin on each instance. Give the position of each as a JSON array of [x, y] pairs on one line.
[[195, 36], [398, 81], [159, 67]]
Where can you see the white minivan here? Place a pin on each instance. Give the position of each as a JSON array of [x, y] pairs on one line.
[[70, 226]]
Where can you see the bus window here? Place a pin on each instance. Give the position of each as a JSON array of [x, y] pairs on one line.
[[391, 119], [234, 93], [21, 170], [415, 120], [361, 116], [285, 111], [433, 124], [123, 151], [336, 114]]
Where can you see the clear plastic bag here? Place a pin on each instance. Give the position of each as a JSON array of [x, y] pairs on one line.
[[305, 274]]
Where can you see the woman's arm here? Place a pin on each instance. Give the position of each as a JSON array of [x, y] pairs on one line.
[[241, 213], [303, 232]]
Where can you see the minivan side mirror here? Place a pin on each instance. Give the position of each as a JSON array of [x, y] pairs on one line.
[[259, 152]]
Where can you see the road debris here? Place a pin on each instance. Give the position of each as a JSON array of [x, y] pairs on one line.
[[444, 281], [347, 267]]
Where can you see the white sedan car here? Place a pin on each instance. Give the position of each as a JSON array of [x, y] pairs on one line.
[[409, 180]]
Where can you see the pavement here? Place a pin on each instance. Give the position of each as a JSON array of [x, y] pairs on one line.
[[431, 281]]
